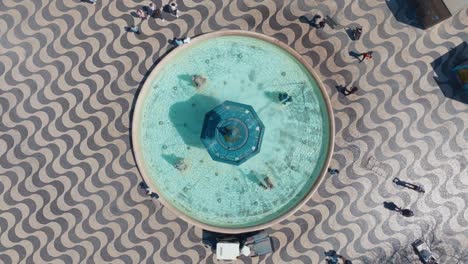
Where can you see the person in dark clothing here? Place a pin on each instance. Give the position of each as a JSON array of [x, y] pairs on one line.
[[133, 29], [347, 92], [408, 185], [345, 261], [365, 55], [331, 257], [407, 213], [173, 9], [321, 24], [284, 98]]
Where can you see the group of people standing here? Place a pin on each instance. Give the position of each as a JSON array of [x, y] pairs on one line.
[[151, 11], [154, 12]]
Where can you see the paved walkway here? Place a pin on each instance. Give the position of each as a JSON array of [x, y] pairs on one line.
[[68, 182]]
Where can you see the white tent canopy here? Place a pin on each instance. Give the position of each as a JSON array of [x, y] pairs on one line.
[[227, 250]]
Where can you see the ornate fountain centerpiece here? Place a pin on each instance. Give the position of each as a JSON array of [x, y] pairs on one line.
[[232, 133]]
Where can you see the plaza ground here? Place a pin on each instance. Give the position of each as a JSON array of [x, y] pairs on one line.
[[68, 180]]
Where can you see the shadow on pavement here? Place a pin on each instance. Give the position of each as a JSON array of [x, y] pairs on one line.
[[446, 77], [405, 11]]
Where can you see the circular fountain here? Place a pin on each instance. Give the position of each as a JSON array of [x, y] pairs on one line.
[[233, 131]]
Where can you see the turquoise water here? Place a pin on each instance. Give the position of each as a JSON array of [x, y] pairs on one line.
[[294, 147]]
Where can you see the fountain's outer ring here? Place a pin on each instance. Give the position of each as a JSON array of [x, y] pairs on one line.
[[137, 115]]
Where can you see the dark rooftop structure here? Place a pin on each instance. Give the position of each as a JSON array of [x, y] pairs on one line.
[[451, 70], [431, 12], [425, 13], [232, 133]]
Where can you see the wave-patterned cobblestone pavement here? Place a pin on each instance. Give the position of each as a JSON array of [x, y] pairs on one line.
[[69, 74]]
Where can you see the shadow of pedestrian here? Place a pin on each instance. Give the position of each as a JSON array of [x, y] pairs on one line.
[[304, 19], [186, 78], [272, 96], [171, 159], [391, 206], [311, 22], [354, 54], [87, 1]]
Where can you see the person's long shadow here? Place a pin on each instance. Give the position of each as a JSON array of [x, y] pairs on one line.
[[253, 177], [391, 206], [311, 22], [272, 96], [355, 55], [171, 159], [187, 78], [86, 2], [304, 19]]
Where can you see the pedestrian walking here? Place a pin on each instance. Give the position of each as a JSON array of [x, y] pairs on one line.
[[151, 193], [173, 9], [158, 14], [392, 206], [141, 14], [148, 190], [365, 55], [321, 24], [268, 182], [347, 92], [284, 98], [134, 29], [313, 22], [151, 10], [331, 257], [333, 171], [408, 185], [406, 213], [345, 261], [155, 12]]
